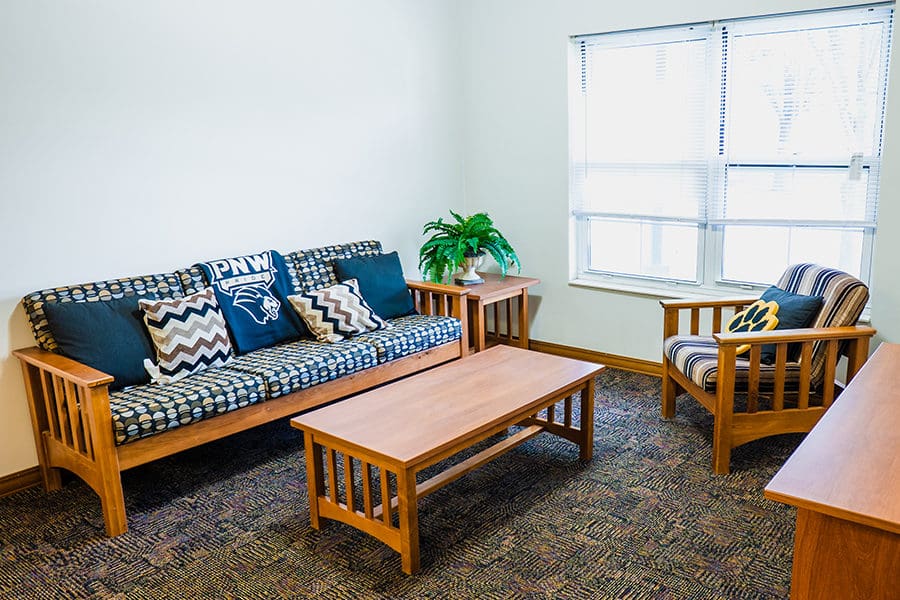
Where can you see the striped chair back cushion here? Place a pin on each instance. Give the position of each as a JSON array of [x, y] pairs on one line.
[[844, 298]]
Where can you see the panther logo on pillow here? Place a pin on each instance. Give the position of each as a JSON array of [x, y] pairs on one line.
[[759, 316], [259, 302]]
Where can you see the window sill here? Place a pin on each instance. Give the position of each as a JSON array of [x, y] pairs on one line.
[[674, 292], [683, 292]]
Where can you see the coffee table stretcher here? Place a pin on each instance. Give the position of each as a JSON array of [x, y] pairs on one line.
[[378, 520]]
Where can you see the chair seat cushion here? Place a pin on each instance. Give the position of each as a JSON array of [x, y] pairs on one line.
[[298, 365], [142, 411], [411, 334], [698, 358]]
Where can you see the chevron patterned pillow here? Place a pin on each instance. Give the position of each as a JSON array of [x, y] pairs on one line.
[[189, 335], [334, 312]]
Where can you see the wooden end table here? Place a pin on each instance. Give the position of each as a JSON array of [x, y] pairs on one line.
[[376, 442], [494, 290]]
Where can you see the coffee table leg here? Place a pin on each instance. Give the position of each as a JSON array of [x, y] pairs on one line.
[[315, 477], [587, 420], [409, 521]]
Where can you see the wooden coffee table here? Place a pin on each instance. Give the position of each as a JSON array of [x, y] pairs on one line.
[[389, 434]]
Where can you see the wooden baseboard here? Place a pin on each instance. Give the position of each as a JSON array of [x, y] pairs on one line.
[[638, 365], [21, 480]]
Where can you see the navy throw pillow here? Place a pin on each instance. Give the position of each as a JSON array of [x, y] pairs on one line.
[[381, 283], [108, 335], [795, 311], [252, 293]]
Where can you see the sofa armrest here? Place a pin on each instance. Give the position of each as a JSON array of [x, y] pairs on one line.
[[446, 300], [57, 364], [438, 288]]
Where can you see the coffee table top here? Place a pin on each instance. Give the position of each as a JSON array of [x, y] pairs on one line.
[[414, 419]]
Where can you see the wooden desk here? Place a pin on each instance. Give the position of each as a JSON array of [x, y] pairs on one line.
[[514, 290], [844, 480]]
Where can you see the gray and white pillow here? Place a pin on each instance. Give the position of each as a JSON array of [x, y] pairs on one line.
[[335, 312], [189, 334]]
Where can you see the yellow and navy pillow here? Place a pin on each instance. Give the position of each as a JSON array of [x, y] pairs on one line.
[[759, 316]]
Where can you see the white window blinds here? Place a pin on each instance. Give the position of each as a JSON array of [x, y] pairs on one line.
[[691, 144]]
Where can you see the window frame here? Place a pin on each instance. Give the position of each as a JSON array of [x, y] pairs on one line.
[[710, 231]]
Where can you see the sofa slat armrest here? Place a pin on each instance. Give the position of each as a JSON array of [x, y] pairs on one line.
[[793, 335], [687, 303], [78, 373], [437, 288]]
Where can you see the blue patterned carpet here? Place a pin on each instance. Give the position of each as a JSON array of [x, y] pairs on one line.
[[646, 518]]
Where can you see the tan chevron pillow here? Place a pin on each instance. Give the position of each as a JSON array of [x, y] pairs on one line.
[[335, 312], [189, 334]]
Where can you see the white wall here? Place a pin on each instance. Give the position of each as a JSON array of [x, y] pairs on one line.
[[515, 87], [138, 137]]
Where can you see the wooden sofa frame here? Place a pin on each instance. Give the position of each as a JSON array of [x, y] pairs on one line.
[[72, 421], [732, 429]]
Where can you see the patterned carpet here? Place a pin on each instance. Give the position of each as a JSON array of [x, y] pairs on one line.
[[645, 519]]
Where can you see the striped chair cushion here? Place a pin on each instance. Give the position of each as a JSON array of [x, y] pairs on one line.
[[698, 358], [844, 298]]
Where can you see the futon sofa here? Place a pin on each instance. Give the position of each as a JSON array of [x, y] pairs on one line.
[[83, 426]]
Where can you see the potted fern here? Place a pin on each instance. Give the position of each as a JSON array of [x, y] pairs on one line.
[[462, 243]]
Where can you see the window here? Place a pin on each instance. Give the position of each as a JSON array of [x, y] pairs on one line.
[[717, 154]]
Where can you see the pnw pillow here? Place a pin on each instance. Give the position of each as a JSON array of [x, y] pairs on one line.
[[381, 283], [337, 311], [795, 311], [759, 316], [251, 292], [189, 335], [107, 335]]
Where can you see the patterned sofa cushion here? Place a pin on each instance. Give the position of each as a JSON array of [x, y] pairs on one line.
[[698, 358], [162, 285], [411, 334], [298, 365], [313, 266], [144, 410]]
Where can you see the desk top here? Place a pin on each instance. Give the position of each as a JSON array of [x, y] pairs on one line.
[[414, 419], [849, 464], [494, 286]]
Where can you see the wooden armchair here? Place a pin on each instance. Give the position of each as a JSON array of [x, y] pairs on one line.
[[748, 398]]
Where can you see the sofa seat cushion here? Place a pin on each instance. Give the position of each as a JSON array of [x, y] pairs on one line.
[[298, 365], [142, 411], [698, 358], [411, 334]]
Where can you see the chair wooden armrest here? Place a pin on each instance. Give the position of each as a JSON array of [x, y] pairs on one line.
[[775, 336], [686, 303]]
